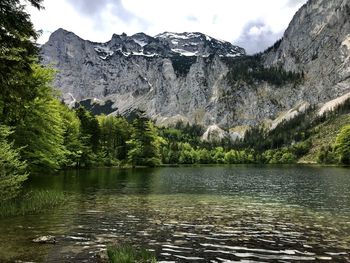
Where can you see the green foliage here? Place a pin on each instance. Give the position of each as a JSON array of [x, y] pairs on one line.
[[128, 254], [326, 155], [281, 156], [182, 64], [204, 156], [40, 133], [181, 132], [89, 138], [342, 145], [89, 128], [218, 155], [297, 129], [251, 70], [71, 137], [17, 53], [12, 169], [300, 135], [114, 133], [240, 156], [32, 202], [187, 155], [144, 144]]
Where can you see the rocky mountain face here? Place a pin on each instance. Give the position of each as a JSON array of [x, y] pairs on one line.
[[317, 42], [188, 76]]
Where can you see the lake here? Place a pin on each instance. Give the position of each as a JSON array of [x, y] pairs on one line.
[[191, 214]]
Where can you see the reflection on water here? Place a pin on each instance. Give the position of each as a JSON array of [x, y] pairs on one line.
[[202, 214]]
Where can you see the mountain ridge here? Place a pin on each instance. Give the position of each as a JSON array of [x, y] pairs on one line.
[[188, 46], [186, 76]]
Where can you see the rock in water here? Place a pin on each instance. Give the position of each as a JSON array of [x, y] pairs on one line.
[[45, 240]]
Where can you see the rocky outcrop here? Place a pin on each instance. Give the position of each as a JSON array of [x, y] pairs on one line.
[[215, 133], [184, 76]]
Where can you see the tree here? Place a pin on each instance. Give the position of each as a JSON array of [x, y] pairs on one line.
[[17, 54], [327, 155], [187, 154], [114, 132], [90, 129], [287, 157], [218, 155], [231, 157], [342, 145], [204, 156], [89, 136], [71, 136], [40, 132], [12, 169], [145, 144]]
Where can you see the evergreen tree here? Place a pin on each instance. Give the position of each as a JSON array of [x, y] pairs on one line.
[[145, 144], [90, 129], [17, 54], [71, 135], [89, 137], [114, 132]]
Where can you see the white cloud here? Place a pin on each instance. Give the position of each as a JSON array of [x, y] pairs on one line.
[[224, 19]]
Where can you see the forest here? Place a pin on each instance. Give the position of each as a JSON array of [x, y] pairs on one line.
[[251, 70]]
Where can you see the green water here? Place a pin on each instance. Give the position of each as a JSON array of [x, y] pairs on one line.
[[191, 214]]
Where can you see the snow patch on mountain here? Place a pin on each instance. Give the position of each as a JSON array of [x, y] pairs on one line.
[[172, 35], [103, 52], [183, 52]]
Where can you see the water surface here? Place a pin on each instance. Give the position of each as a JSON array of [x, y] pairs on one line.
[[191, 214]]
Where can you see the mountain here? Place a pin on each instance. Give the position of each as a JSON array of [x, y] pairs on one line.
[[196, 78], [317, 42], [170, 76]]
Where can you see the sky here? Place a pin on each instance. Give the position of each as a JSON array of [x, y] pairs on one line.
[[251, 24]]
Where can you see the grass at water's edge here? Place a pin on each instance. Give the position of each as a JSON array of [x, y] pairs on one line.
[[32, 202], [128, 254]]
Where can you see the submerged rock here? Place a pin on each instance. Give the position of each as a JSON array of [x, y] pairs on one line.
[[45, 240]]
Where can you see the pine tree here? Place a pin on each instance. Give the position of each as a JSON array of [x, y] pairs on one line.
[[17, 54], [89, 137], [72, 143], [145, 144]]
